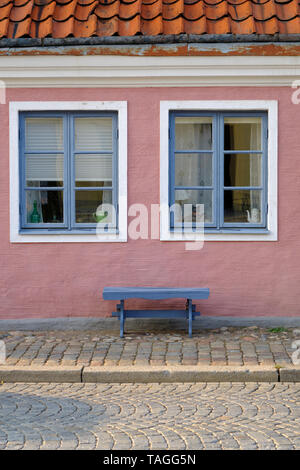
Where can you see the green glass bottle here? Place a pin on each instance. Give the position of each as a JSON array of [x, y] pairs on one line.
[[35, 217]]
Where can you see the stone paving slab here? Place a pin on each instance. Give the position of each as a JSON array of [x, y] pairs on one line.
[[73, 356]]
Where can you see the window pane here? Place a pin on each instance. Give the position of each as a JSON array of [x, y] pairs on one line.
[[44, 207], [93, 168], [44, 134], [44, 169], [193, 133], [242, 133], [242, 169], [193, 196], [242, 206], [87, 204], [93, 134], [193, 169]]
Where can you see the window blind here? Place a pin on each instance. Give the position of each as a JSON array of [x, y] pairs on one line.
[[44, 134], [44, 167], [93, 167], [93, 134]]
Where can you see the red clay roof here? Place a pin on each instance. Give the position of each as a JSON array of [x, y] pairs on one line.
[[86, 18]]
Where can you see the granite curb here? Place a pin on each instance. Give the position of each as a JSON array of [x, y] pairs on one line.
[[152, 374]]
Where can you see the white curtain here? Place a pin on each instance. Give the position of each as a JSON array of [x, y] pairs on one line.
[[193, 133]]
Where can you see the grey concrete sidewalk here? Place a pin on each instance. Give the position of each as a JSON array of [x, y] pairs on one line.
[[157, 354]]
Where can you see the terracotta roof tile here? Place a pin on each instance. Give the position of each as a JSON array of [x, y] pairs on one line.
[[172, 10], [86, 29], [287, 11], [64, 12], [240, 12], [85, 2], [5, 11], [107, 27], [130, 27], [213, 2], [41, 29], [40, 13], [107, 11], [63, 29], [18, 14], [63, 2], [260, 2], [193, 11], [4, 27], [221, 26], [246, 26], [151, 11], [153, 27], [19, 3], [264, 12], [3, 3], [290, 27], [19, 29], [267, 27], [175, 26], [42, 3], [217, 11], [129, 10], [196, 26], [83, 12], [85, 18]]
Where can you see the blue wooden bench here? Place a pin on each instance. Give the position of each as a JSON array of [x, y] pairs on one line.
[[155, 293]]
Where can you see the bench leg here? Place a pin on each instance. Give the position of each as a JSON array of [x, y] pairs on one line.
[[190, 307], [122, 319]]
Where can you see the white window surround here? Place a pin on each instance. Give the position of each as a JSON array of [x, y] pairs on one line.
[[14, 109], [245, 105]]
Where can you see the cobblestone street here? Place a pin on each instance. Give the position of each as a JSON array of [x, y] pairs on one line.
[[150, 416]]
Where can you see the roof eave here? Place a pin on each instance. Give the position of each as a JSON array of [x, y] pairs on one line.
[[151, 40]]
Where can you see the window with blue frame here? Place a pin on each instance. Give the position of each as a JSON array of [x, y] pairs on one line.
[[68, 171], [218, 160]]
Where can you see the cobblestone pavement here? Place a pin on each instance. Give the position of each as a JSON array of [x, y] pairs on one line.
[[225, 346], [150, 416]]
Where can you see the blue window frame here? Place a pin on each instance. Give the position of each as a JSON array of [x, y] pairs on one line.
[[68, 171], [218, 160]]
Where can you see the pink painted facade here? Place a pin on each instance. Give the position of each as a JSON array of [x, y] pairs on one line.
[[43, 280]]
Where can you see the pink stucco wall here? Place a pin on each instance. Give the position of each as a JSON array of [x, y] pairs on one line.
[[245, 278]]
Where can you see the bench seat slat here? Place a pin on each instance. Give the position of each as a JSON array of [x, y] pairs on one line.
[[154, 293], [155, 314]]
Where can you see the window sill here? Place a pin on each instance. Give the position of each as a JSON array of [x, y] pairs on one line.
[[78, 236], [224, 230], [91, 231], [220, 235]]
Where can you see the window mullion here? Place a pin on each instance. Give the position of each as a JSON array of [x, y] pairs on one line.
[[220, 169], [69, 164]]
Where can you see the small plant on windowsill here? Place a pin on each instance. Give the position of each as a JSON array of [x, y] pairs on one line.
[[99, 216]]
